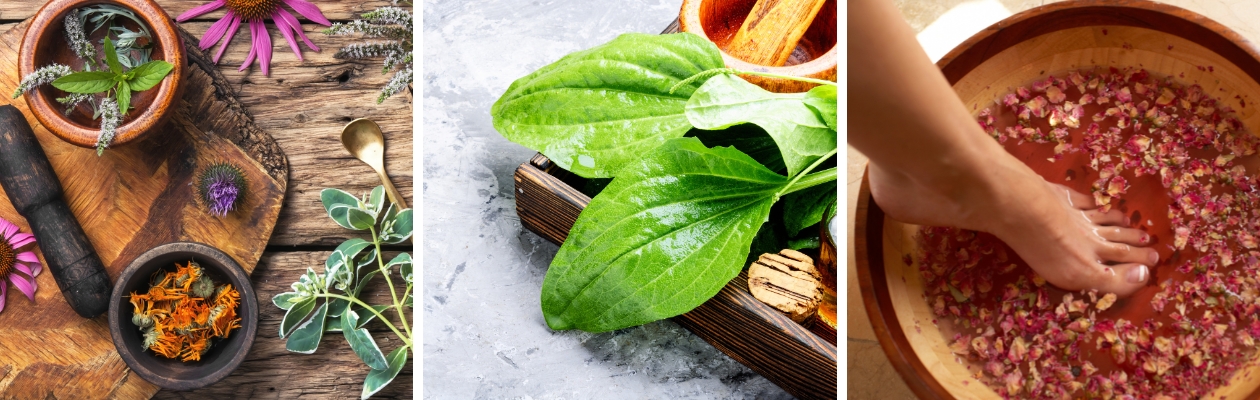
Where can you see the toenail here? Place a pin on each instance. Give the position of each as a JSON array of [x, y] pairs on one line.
[[1138, 274], [1154, 258], [1146, 238]]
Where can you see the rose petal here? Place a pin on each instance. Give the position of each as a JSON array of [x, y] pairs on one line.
[[297, 27], [284, 27], [195, 12], [236, 24], [27, 287], [308, 10]]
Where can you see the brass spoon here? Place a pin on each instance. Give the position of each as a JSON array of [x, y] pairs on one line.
[[363, 138]]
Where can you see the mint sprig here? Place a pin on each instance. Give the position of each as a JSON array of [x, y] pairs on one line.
[[122, 82]]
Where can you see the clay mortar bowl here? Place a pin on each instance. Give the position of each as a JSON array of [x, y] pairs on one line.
[[224, 354], [718, 20], [1048, 40], [44, 44]]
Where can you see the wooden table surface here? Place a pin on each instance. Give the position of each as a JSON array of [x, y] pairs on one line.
[[303, 105]]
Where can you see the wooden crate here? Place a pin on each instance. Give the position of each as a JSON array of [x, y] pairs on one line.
[[798, 360]]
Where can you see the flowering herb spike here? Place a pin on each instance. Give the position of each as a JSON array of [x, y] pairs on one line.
[[221, 188], [392, 24]]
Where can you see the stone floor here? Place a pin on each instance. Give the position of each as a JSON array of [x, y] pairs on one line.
[[484, 335]]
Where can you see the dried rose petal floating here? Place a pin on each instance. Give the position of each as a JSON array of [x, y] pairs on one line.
[[1027, 339]]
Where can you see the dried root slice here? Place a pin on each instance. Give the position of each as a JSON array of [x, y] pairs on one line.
[[788, 282]]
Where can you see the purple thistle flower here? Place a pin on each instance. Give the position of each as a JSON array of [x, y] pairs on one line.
[[221, 188]]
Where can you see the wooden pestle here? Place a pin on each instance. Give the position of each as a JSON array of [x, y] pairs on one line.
[[35, 191], [770, 33]]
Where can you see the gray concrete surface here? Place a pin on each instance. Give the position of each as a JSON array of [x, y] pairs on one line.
[[484, 335]]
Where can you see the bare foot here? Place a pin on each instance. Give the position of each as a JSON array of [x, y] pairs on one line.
[[1059, 232]]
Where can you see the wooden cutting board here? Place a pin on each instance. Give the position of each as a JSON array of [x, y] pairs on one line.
[[130, 200]]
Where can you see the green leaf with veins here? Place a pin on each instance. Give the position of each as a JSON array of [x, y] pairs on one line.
[[671, 230], [822, 99], [595, 110], [86, 82], [805, 208], [361, 342], [111, 57], [305, 339], [725, 100], [378, 378], [123, 97], [149, 74]]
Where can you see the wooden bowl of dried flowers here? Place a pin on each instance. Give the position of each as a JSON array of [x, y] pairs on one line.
[[959, 319], [183, 315], [68, 37]]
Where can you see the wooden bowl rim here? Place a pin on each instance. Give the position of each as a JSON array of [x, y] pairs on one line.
[[689, 21], [869, 218], [164, 32], [249, 317]]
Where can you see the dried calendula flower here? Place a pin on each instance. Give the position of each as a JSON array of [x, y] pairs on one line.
[[183, 311]]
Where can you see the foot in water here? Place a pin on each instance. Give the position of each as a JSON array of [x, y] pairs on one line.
[[1059, 232]]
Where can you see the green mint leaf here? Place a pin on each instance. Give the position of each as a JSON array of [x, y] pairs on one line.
[[111, 57], [595, 110], [149, 74], [86, 82], [305, 339], [822, 99], [805, 208], [669, 232], [124, 98], [361, 342], [378, 378], [727, 100]]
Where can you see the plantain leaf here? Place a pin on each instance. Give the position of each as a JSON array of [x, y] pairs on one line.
[[361, 342], [595, 110], [295, 315], [378, 378], [305, 339], [805, 208], [725, 100], [822, 99], [669, 232]]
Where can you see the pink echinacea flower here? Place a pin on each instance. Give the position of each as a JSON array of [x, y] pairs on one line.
[[12, 262], [255, 12]]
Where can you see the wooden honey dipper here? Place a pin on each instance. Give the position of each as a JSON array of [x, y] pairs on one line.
[[766, 39]]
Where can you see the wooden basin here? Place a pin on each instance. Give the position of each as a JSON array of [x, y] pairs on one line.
[[1048, 40]]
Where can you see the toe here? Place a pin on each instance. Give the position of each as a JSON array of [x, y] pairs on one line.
[[1123, 253], [1109, 218], [1124, 279], [1078, 200], [1128, 236]]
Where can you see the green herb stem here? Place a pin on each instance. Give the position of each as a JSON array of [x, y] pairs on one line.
[[806, 179], [811, 180], [380, 263], [788, 77], [715, 71], [405, 338]]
